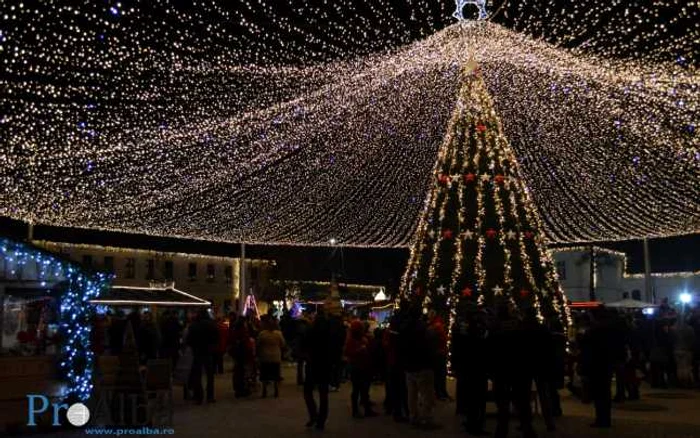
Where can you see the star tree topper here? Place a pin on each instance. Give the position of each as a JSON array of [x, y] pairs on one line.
[[459, 12]]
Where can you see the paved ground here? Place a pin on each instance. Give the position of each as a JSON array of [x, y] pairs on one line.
[[667, 414]]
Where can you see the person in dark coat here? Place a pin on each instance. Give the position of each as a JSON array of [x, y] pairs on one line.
[[635, 366], [542, 361], [115, 332], [301, 327], [147, 338], [510, 349], [134, 318], [558, 336], [317, 347], [396, 380], [287, 326], [599, 359], [238, 344], [437, 327], [694, 322], [171, 332], [338, 335], [203, 337], [620, 332], [417, 350], [470, 365]]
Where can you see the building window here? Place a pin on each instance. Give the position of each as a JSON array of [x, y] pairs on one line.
[[192, 271], [87, 261], [637, 295], [130, 271], [561, 270], [211, 272], [228, 273], [150, 269], [109, 264], [169, 270]]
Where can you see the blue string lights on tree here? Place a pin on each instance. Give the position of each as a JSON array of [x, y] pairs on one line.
[[76, 359]]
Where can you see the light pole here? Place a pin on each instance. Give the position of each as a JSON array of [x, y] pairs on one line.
[[591, 273], [334, 243]]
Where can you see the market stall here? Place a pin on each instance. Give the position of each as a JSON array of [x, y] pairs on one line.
[[45, 342], [165, 295]]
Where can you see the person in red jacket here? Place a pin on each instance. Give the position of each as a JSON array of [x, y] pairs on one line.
[[239, 340], [360, 359], [221, 347]]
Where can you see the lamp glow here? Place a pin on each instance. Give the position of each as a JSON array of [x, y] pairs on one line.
[[685, 298]]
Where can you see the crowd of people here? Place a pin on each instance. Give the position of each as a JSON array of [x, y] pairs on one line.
[[663, 350], [524, 359]]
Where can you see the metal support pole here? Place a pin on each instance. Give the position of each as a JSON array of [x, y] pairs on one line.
[[591, 274], [30, 231], [242, 281], [648, 293]]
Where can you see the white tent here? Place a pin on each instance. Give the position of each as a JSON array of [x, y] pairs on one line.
[[630, 304]]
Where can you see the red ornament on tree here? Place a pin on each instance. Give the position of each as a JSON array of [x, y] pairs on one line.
[[466, 292], [524, 293], [529, 234], [447, 234], [481, 127], [500, 179], [442, 178], [419, 291], [491, 233], [470, 177]]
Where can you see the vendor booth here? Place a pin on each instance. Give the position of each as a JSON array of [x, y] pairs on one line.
[[44, 317], [126, 372]]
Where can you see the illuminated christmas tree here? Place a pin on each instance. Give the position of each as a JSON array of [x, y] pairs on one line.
[[480, 239]]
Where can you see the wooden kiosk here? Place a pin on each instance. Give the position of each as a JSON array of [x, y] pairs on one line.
[[41, 314]]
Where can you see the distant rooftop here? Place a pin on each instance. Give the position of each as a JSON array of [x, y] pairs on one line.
[[137, 296]]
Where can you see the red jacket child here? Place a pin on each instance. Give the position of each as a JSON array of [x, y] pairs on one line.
[[357, 347]]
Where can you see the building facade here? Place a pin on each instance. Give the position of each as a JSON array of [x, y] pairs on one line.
[[611, 280], [215, 279]]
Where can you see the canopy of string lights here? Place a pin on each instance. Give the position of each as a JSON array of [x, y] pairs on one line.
[[287, 122]]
